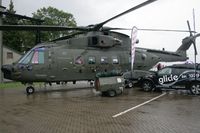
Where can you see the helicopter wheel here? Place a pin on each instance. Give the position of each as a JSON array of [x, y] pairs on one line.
[[30, 90]]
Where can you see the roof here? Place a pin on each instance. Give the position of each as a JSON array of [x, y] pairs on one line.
[[187, 66]]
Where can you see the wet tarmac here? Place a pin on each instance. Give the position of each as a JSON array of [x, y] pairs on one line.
[[78, 109]]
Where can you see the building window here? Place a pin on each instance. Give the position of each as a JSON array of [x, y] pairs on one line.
[[9, 55], [91, 60]]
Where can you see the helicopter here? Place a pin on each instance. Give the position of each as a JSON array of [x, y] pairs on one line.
[[92, 50]]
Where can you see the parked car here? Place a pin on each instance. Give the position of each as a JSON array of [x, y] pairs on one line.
[[179, 76], [132, 78]]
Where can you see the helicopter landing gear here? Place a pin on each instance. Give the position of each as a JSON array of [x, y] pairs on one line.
[[30, 90]]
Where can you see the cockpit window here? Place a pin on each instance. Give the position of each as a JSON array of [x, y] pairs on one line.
[[35, 56], [27, 57], [38, 57]]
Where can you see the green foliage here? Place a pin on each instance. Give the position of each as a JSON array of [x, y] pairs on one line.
[[10, 85], [53, 16], [11, 38], [23, 40]]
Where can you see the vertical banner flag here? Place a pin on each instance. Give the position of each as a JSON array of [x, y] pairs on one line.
[[133, 43]]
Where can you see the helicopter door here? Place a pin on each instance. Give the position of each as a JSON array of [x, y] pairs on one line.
[[60, 64], [37, 64]]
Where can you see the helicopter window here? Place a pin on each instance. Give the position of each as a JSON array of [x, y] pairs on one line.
[[79, 60], [93, 41], [115, 60], [91, 60], [26, 59], [106, 33], [104, 60], [38, 57]]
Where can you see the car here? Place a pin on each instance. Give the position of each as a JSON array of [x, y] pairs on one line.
[[178, 76], [132, 78]]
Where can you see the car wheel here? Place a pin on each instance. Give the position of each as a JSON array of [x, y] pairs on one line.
[[147, 85], [195, 89], [130, 85], [111, 93], [30, 90]]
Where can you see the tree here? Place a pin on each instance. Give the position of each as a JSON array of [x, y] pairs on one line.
[[53, 16], [11, 38], [23, 40]]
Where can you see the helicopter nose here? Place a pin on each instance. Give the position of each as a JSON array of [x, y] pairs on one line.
[[7, 70]]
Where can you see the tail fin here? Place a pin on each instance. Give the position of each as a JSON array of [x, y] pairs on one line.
[[186, 43]]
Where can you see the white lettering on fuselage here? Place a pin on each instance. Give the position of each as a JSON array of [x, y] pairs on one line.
[[167, 78]]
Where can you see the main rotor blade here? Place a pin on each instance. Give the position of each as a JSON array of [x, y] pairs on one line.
[[40, 28], [68, 36], [192, 38], [162, 30], [98, 26], [188, 23]]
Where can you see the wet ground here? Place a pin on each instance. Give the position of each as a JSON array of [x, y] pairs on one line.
[[72, 110]]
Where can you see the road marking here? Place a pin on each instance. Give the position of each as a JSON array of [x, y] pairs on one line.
[[121, 113]]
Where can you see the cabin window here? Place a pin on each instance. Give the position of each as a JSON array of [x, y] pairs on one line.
[[91, 60], [115, 60], [79, 60], [104, 60], [38, 57]]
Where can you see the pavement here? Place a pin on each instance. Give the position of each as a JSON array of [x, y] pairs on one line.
[[79, 109]]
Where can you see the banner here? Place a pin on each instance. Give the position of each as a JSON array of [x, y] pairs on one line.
[[133, 43]]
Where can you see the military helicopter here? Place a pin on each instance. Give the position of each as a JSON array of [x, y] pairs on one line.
[[92, 50]]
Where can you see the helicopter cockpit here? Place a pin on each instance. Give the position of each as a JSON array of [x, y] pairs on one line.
[[35, 56]]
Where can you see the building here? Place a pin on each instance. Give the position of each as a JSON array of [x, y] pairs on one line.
[[10, 55]]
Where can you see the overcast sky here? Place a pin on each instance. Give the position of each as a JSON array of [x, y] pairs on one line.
[[164, 14]]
